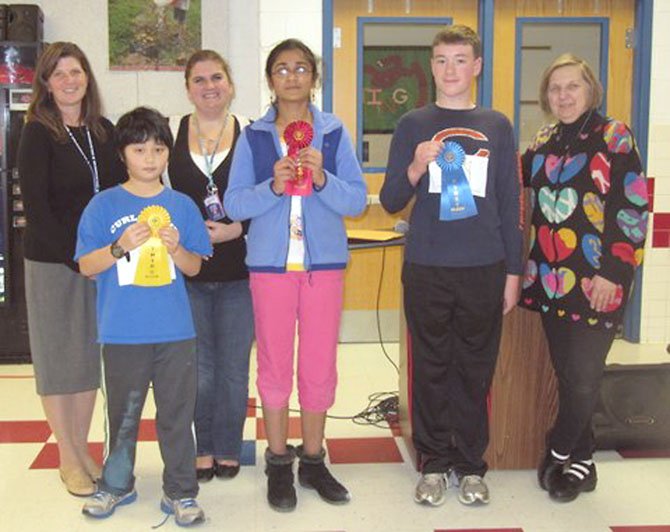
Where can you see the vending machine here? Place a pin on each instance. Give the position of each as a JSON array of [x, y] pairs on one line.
[[17, 64]]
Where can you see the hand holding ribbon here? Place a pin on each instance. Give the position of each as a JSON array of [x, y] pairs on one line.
[[425, 152], [298, 135], [153, 268]]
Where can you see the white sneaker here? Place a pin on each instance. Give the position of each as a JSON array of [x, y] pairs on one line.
[[473, 489], [102, 504], [431, 489], [186, 511]]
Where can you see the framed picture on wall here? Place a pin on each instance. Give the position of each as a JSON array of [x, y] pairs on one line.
[[153, 34], [396, 79]]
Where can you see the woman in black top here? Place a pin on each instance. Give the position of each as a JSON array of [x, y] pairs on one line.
[[220, 296], [66, 154]]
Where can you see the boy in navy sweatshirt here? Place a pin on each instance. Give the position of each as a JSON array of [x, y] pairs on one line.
[[463, 262]]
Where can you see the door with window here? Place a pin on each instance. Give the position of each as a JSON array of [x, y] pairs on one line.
[[380, 69], [521, 39], [527, 37]]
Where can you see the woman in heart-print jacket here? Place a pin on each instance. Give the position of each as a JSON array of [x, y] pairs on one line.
[[588, 226]]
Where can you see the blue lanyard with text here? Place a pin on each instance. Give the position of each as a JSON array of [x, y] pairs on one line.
[[92, 164]]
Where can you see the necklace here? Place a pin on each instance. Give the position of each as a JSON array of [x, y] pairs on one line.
[[565, 129], [209, 157], [216, 140]]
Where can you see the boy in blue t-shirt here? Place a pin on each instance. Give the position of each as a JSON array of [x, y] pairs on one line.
[[138, 239]]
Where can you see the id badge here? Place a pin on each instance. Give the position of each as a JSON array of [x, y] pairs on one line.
[[214, 207]]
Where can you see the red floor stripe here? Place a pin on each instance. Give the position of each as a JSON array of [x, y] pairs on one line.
[[363, 450], [24, 431], [644, 453], [48, 456], [641, 528]]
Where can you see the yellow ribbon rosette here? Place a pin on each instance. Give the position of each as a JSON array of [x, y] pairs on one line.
[[153, 268]]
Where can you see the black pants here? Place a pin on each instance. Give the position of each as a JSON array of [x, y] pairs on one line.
[[578, 355], [454, 316], [128, 369]]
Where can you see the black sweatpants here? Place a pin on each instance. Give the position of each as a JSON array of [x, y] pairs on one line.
[[128, 369], [454, 316], [578, 355]]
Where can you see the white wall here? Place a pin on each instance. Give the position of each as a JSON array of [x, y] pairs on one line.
[[281, 19], [656, 278], [229, 26], [234, 28]]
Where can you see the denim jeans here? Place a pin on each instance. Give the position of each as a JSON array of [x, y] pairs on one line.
[[129, 369], [223, 318]]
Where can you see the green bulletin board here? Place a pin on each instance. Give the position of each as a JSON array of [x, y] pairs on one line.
[[396, 79]]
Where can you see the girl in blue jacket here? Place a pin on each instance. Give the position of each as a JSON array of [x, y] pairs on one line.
[[296, 255]]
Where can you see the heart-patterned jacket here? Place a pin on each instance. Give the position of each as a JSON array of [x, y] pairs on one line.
[[589, 217]]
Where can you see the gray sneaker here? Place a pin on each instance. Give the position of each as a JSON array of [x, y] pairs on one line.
[[102, 504], [431, 489], [186, 511], [473, 489]]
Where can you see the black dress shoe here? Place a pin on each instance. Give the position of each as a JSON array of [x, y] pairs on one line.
[[579, 477], [549, 470], [204, 474], [225, 471]]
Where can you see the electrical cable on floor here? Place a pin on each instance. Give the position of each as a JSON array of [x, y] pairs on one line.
[[382, 410], [379, 324]]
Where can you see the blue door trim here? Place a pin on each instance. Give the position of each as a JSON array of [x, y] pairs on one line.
[[327, 54], [640, 125], [486, 21]]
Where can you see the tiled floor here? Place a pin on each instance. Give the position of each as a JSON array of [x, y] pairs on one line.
[[632, 496]]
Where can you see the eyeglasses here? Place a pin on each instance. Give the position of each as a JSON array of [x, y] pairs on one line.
[[284, 72]]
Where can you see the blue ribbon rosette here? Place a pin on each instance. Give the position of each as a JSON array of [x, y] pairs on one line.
[[456, 201]]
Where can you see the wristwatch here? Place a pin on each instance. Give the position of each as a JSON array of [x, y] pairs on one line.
[[116, 250]]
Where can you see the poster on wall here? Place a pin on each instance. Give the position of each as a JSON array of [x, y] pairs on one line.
[[396, 79], [153, 34]]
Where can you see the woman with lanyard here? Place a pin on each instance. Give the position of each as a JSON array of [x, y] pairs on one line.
[[220, 296], [66, 155]]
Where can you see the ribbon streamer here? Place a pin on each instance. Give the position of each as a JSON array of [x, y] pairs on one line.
[[456, 200], [153, 268], [299, 135]]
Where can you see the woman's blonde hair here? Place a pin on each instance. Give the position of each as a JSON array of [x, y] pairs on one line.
[[595, 87]]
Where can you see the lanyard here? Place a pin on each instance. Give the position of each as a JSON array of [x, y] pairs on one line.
[[92, 164], [209, 158]]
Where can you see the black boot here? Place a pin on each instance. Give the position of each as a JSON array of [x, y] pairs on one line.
[[279, 469], [313, 474], [577, 478], [549, 470]]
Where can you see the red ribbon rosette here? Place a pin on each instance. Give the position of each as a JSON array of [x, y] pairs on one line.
[[299, 135]]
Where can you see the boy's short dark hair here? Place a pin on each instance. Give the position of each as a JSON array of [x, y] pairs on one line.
[[459, 34], [140, 125]]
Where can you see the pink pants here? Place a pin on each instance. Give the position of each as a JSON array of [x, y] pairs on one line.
[[314, 300]]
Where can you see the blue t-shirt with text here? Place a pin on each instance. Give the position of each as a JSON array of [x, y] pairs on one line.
[[127, 313]]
